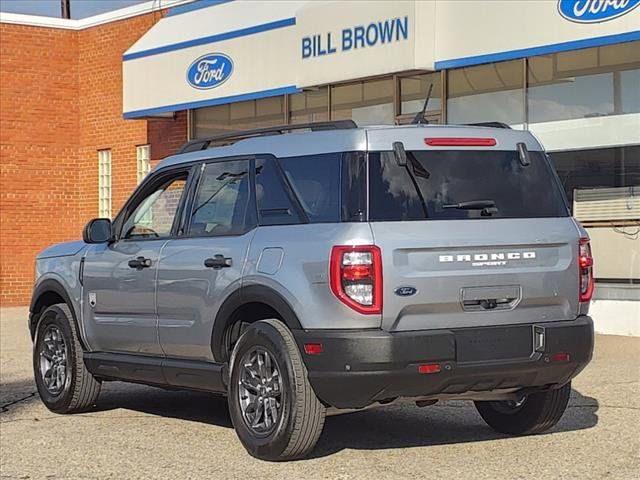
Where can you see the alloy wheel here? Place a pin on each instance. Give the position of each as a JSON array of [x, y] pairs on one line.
[[260, 391], [53, 360]]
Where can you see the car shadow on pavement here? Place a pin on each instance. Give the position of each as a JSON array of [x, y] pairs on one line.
[[181, 404], [404, 425], [398, 425]]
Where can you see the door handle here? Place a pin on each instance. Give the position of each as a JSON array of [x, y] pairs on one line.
[[217, 262], [140, 263]]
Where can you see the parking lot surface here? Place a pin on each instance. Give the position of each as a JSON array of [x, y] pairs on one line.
[[143, 432]]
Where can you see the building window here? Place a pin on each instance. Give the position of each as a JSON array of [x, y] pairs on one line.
[[486, 93], [598, 168], [366, 103], [309, 106], [585, 83], [413, 92], [104, 183], [233, 117], [143, 161]]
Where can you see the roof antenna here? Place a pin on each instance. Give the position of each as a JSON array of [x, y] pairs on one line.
[[420, 119]]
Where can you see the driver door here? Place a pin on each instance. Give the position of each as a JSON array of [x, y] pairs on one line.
[[118, 305]]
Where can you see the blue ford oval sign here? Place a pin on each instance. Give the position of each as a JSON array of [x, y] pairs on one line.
[[595, 11], [209, 71]]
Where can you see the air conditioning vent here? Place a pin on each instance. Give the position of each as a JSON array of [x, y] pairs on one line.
[[610, 204]]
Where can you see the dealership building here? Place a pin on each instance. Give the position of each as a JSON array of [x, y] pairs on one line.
[[89, 106]]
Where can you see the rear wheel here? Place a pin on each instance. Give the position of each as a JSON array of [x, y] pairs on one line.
[[64, 383], [534, 413], [274, 409]]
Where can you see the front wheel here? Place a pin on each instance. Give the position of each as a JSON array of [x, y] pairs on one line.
[[64, 383], [274, 409], [534, 413]]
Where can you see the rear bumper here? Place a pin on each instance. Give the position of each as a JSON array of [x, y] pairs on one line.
[[360, 367]]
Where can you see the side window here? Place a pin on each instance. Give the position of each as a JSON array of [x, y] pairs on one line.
[[153, 217], [315, 180], [222, 202], [274, 205]]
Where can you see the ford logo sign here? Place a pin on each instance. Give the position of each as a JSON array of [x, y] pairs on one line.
[[405, 291], [595, 11], [209, 71]]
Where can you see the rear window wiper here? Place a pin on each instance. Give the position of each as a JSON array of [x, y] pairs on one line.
[[472, 205], [488, 207]]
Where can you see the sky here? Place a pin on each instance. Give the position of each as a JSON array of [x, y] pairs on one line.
[[51, 8]]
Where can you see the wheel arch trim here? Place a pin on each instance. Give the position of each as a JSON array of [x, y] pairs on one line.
[[52, 286], [242, 296]]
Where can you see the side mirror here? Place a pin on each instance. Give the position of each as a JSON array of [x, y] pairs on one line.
[[97, 230]]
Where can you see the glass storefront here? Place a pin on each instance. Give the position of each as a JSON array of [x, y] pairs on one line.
[[592, 82], [491, 92], [366, 103], [598, 168], [413, 92], [309, 106], [231, 117]]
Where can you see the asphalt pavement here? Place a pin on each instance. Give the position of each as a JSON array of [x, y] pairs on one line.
[[139, 432]]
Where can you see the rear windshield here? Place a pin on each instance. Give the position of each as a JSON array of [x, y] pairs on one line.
[[462, 184]]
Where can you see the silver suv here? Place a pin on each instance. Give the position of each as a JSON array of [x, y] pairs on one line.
[[331, 267]]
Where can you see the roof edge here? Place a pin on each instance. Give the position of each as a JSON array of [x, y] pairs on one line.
[[93, 21]]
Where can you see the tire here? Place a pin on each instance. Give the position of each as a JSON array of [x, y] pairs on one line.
[[300, 415], [538, 413], [76, 390]]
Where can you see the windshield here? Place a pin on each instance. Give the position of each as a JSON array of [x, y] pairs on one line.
[[462, 184]]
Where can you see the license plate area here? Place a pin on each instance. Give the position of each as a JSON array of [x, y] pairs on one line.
[[494, 343]]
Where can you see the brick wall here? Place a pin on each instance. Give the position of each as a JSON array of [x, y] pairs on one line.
[[61, 101]]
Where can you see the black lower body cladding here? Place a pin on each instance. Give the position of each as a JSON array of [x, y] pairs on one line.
[[359, 367]]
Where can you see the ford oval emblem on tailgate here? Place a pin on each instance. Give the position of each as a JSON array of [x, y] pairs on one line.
[[595, 11], [209, 71], [405, 291]]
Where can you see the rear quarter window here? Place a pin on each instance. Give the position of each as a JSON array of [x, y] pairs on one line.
[[435, 181], [330, 187], [315, 180]]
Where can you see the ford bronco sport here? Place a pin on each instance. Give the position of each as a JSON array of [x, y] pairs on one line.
[[332, 267]]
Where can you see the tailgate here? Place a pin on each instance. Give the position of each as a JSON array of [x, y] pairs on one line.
[[466, 273]]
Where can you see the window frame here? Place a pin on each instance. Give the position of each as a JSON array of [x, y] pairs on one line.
[[187, 212], [146, 188]]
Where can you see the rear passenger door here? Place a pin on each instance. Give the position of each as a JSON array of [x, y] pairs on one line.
[[198, 270]]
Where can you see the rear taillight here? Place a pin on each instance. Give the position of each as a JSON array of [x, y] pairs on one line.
[[585, 268], [356, 277]]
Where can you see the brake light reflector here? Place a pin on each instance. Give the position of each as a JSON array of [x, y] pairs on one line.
[[355, 276], [313, 348], [560, 357], [429, 368], [585, 270], [460, 142]]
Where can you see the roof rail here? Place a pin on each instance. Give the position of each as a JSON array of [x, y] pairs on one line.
[[489, 124], [230, 138]]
